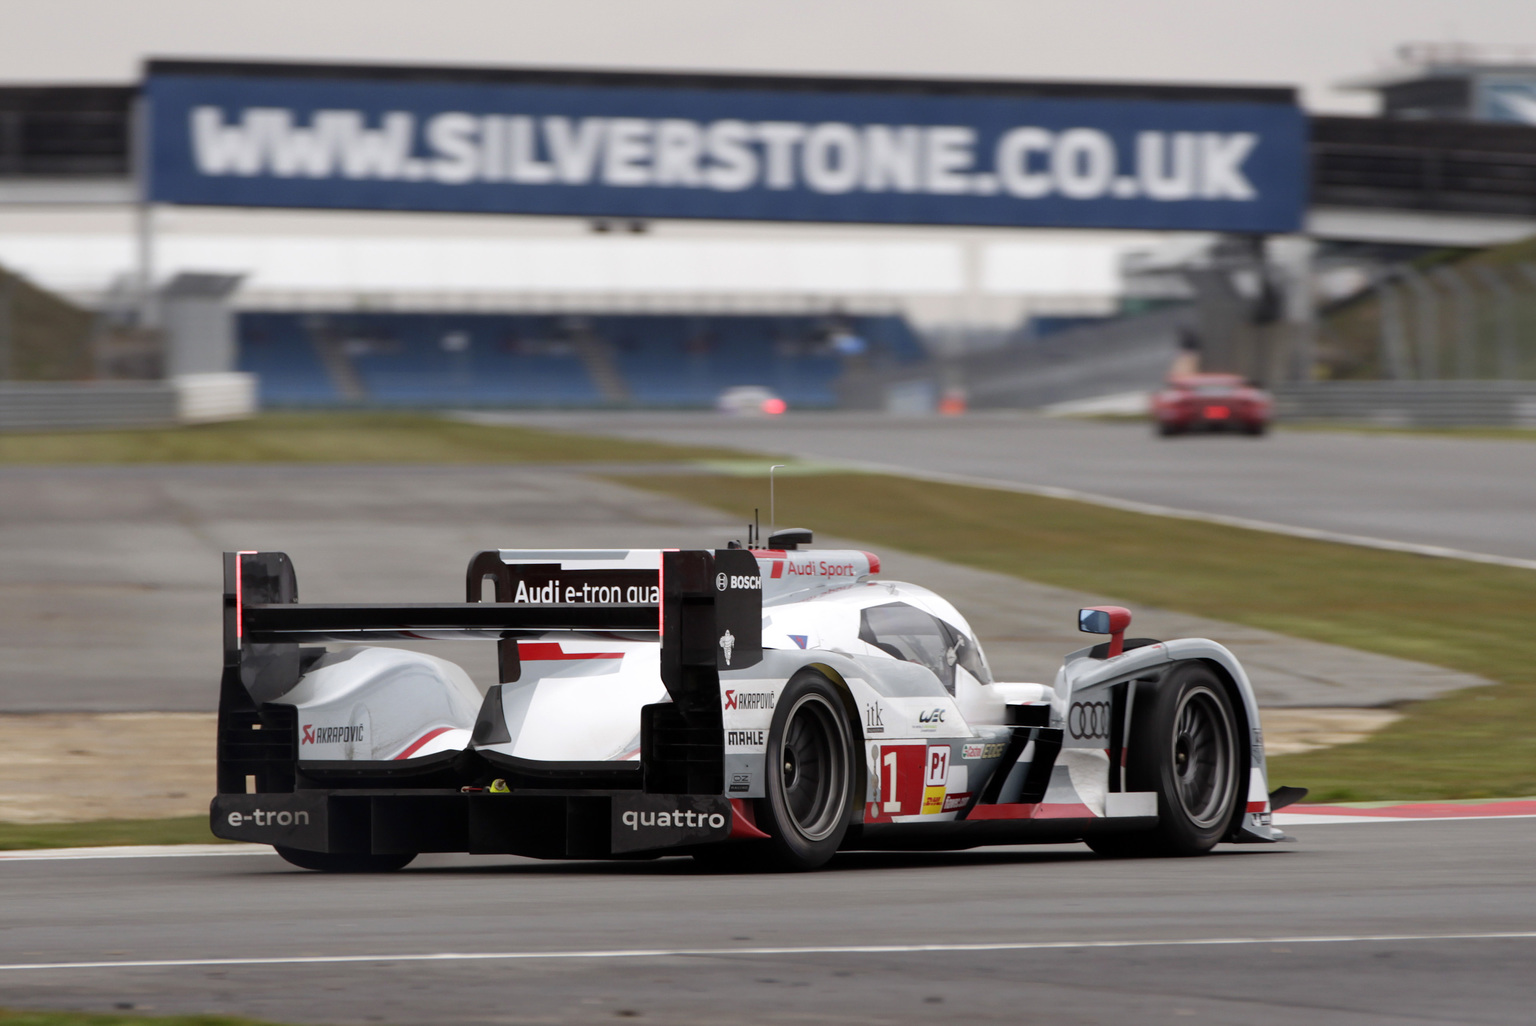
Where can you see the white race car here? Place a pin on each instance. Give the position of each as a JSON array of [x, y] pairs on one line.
[[751, 707]]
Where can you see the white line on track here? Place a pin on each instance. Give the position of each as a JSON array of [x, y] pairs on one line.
[[1321, 819], [1132, 506], [833, 949]]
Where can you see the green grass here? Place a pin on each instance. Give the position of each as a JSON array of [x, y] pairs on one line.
[[94, 834], [1465, 616], [21, 1017], [338, 438]]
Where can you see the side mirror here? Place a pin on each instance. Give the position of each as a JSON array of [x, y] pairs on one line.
[[1111, 620]]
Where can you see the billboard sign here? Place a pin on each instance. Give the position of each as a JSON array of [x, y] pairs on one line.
[[656, 149]]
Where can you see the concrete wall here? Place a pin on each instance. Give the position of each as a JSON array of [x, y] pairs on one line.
[[1127, 354]]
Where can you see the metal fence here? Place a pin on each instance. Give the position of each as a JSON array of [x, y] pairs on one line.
[[1469, 322], [192, 398], [1411, 403]]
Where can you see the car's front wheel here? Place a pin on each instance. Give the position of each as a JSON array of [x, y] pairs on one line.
[[1183, 745], [330, 862], [811, 775]]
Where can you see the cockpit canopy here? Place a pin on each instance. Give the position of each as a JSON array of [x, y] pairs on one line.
[[917, 636]]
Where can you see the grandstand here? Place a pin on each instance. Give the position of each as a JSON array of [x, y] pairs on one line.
[[560, 360]]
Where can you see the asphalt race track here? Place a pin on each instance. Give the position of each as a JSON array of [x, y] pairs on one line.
[[1477, 495], [1360, 923]]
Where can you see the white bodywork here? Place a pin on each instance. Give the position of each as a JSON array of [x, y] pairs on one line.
[[375, 704]]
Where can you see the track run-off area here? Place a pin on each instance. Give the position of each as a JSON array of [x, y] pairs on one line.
[[1467, 497], [1425, 921]]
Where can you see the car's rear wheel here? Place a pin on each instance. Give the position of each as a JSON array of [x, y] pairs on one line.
[[330, 862], [1168, 428], [1183, 746], [811, 775]]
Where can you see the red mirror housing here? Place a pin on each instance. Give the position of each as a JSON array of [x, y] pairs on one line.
[[1111, 620]]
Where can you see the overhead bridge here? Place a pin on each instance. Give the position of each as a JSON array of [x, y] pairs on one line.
[[1452, 183], [1413, 182]]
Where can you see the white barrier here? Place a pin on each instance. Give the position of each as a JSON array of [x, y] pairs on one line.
[[202, 398]]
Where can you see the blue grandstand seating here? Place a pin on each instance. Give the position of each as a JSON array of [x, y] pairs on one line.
[[396, 359], [278, 349]]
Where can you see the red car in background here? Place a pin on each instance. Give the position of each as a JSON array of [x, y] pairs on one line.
[[1210, 402]]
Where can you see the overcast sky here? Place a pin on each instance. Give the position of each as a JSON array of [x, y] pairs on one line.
[[1313, 44]]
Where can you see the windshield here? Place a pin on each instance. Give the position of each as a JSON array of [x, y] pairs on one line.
[[910, 634]]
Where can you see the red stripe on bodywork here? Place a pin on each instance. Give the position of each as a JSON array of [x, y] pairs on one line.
[[1258, 806], [1054, 810], [537, 650], [777, 555], [874, 562], [240, 592], [428, 736], [744, 823]]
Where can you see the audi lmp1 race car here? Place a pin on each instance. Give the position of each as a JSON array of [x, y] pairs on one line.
[[749, 707]]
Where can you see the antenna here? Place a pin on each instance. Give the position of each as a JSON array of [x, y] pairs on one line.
[[758, 525], [772, 519]]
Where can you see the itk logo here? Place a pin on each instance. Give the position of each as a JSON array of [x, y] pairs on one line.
[[873, 723]]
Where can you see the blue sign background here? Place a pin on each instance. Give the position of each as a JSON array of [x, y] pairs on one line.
[[597, 151]]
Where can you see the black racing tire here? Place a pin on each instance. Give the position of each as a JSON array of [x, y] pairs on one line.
[[1256, 429], [328, 862], [1167, 429], [812, 776], [1184, 746]]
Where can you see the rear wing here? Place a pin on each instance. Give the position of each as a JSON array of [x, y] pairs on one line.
[[705, 608]]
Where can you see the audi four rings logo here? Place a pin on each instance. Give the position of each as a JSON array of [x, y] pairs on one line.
[[1088, 719]]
